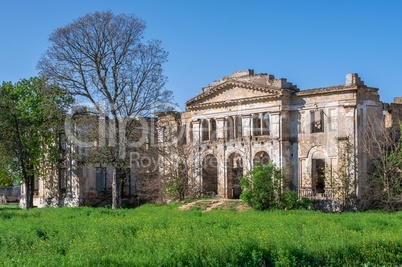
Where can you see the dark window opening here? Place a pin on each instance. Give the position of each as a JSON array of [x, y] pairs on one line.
[[317, 121], [319, 175], [205, 130], [100, 179], [230, 128], [213, 131], [239, 128], [62, 178]]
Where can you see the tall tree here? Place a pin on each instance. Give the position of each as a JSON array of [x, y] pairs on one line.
[[31, 111], [102, 58]]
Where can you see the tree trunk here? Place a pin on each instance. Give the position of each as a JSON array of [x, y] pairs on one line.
[[27, 194], [116, 189], [116, 182], [31, 191]]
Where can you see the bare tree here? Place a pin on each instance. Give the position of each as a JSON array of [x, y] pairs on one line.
[[383, 146], [101, 58], [175, 153], [341, 179]]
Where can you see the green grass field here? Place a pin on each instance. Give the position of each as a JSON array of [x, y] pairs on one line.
[[165, 236]]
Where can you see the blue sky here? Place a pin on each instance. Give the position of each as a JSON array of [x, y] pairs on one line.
[[311, 43]]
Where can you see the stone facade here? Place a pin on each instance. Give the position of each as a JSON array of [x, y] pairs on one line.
[[246, 117], [75, 180], [313, 135]]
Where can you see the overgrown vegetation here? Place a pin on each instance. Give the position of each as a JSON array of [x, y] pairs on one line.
[[31, 114], [166, 236], [384, 182], [263, 188]]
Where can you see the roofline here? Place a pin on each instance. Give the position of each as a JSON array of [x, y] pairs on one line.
[[246, 85], [331, 89]]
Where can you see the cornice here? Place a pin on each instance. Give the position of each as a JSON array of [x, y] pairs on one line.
[[231, 84], [235, 102], [333, 89]]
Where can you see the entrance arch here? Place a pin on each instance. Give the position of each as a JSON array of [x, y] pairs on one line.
[[210, 175], [234, 173]]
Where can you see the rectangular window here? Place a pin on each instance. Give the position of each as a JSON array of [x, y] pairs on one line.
[[100, 179], [62, 140], [317, 121], [256, 125], [36, 186], [265, 124], [62, 178], [126, 184], [183, 132]]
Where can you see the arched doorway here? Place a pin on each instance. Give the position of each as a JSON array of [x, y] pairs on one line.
[[210, 175], [261, 158], [234, 173]]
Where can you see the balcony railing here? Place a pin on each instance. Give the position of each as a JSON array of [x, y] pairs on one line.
[[310, 193]]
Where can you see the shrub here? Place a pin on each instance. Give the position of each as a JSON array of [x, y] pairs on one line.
[[262, 190], [262, 187], [291, 201]]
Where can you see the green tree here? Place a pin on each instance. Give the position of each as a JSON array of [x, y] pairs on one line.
[[8, 176], [31, 111], [5, 178], [262, 187], [102, 58]]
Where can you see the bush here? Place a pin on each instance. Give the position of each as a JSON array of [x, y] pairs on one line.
[[262, 190], [261, 187], [291, 201]]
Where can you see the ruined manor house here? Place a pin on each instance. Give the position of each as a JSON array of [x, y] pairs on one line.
[[246, 118]]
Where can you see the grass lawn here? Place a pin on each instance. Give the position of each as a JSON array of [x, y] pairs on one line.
[[166, 236], [9, 206]]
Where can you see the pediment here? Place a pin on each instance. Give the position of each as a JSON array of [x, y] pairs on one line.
[[231, 92]]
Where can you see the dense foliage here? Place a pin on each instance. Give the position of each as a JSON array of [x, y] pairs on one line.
[[166, 236], [31, 113], [263, 188]]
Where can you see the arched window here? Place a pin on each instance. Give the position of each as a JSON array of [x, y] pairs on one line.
[[205, 130], [212, 135], [229, 128], [261, 158], [239, 128], [265, 124]]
